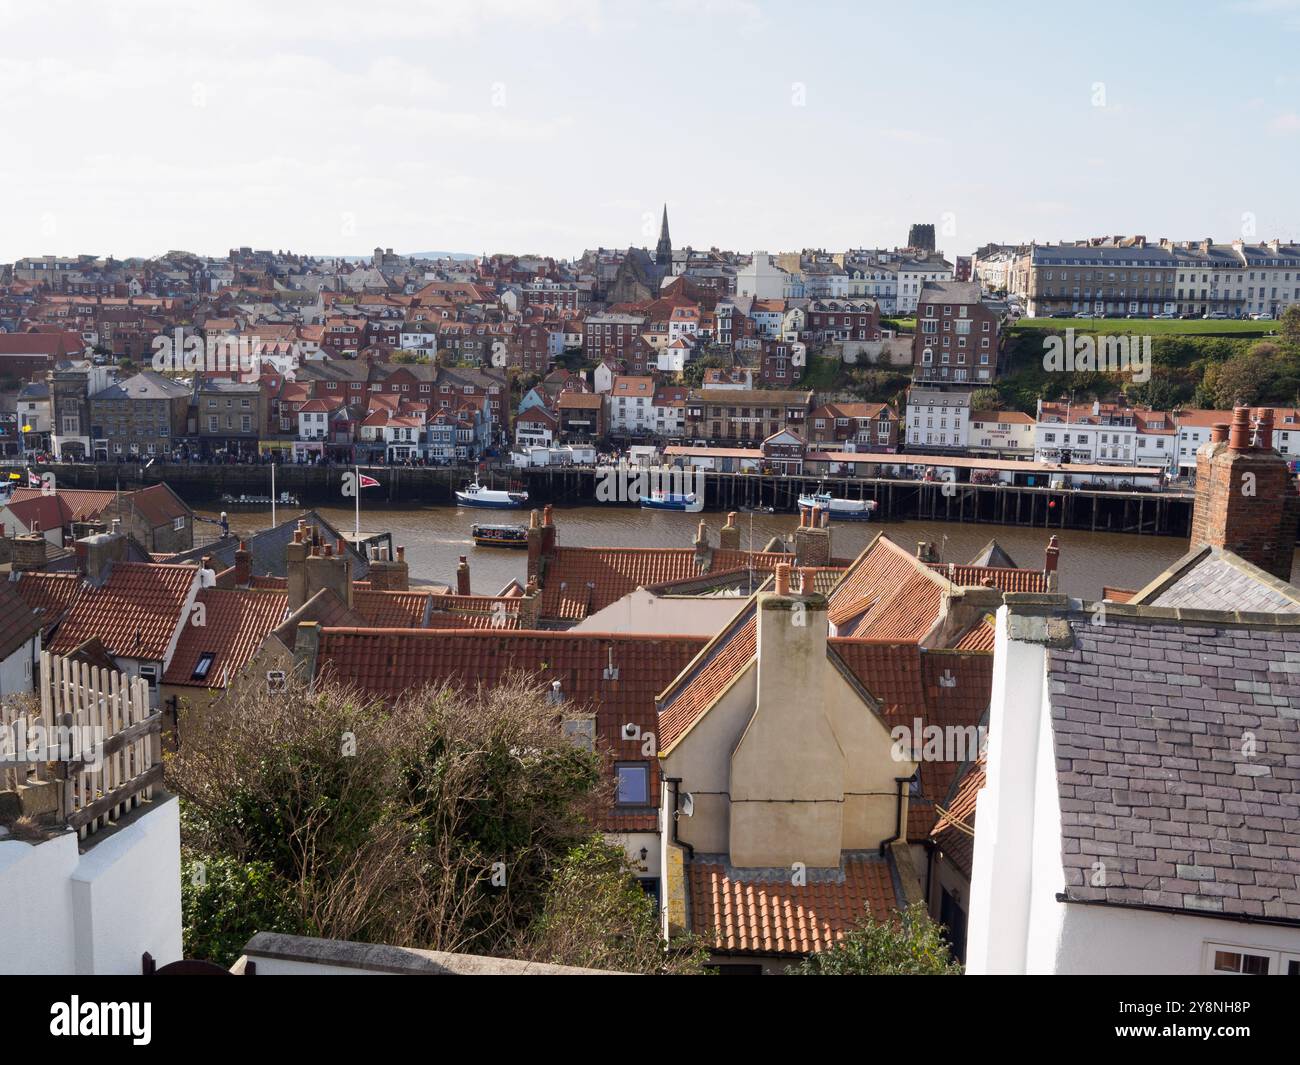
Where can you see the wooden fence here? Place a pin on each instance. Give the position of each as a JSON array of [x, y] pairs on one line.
[[91, 731]]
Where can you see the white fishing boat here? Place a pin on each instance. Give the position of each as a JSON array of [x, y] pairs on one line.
[[475, 495], [854, 509]]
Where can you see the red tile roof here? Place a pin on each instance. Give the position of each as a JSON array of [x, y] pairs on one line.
[[581, 580], [390, 662], [887, 594], [708, 676], [135, 612], [235, 622], [1003, 578], [391, 610], [50, 594], [954, 831], [734, 912]]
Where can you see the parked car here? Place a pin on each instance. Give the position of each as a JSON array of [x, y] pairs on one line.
[[1084, 314], [1164, 316], [1215, 315]]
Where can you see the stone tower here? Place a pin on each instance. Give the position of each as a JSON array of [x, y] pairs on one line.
[[1246, 499], [664, 249]]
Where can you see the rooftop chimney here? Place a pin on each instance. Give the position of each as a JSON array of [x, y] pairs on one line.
[[1246, 500], [729, 534], [243, 566], [1051, 557], [812, 539], [702, 551], [788, 769], [462, 576], [97, 553]]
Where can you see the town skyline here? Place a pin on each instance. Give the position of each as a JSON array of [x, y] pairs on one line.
[[473, 131]]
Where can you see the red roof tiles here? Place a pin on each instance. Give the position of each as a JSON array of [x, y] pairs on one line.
[[235, 622], [135, 613], [736, 913]]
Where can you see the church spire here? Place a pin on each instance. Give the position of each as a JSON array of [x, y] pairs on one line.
[[664, 249]]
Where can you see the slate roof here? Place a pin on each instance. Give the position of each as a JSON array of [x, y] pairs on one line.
[[755, 911], [1178, 760], [1211, 578], [18, 622], [268, 548]]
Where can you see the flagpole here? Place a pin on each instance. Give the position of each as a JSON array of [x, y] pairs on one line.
[[357, 528], [273, 491]]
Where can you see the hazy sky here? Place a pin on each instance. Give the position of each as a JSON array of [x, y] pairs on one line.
[[556, 125]]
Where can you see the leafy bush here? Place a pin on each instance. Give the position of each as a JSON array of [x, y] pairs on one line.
[[907, 944]]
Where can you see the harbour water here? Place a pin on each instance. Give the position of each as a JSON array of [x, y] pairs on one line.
[[436, 536]]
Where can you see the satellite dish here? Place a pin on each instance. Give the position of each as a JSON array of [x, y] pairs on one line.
[[687, 807]]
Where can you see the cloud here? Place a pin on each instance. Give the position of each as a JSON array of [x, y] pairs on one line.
[[1286, 123]]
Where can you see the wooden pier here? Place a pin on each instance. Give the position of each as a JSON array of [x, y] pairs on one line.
[[1166, 513]]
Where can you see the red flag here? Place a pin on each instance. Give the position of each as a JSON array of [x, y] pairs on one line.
[[368, 482]]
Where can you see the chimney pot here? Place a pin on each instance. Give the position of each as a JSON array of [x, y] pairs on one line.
[[1218, 432], [1239, 434], [782, 578]]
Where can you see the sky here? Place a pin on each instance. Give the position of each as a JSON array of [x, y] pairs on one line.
[[548, 127]]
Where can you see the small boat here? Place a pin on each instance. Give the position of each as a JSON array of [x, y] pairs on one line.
[[475, 495], [687, 501], [248, 502], [758, 510], [499, 535], [858, 509]]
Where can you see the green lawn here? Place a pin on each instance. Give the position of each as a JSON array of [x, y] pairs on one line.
[[822, 374], [1153, 326]]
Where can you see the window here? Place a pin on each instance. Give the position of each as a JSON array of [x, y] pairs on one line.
[[203, 665], [178, 523], [633, 783], [149, 674]]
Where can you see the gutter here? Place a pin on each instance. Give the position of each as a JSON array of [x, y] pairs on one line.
[[898, 812], [677, 840], [1173, 911]]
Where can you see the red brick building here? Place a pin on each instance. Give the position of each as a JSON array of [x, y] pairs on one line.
[[956, 341]]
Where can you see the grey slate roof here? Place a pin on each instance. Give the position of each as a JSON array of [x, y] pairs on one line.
[[1178, 760], [268, 548], [950, 292], [1211, 578]]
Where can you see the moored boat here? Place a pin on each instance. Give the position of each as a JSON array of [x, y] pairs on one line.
[[859, 509], [499, 535], [687, 501], [475, 495]]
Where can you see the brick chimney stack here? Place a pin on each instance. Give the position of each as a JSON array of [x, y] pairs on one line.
[[1051, 557], [1246, 500], [703, 553], [243, 566], [729, 534], [462, 576], [295, 563], [812, 539]]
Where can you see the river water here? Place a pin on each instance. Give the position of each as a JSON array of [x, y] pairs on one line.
[[435, 537]]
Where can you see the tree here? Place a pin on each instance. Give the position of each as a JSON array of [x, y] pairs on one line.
[[907, 944], [224, 901], [597, 916], [1290, 326], [1242, 379], [441, 820], [985, 399]]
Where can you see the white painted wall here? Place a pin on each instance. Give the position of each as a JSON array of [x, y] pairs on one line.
[[16, 671], [97, 913]]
